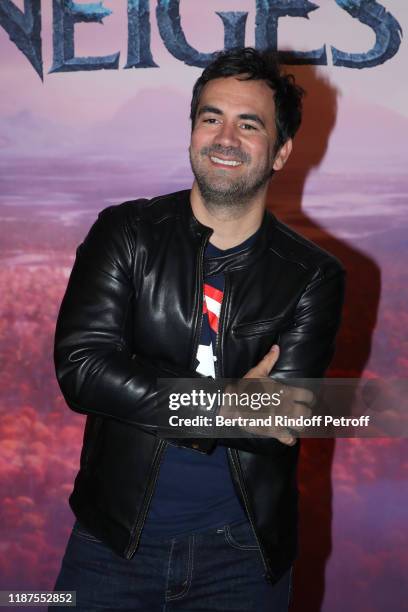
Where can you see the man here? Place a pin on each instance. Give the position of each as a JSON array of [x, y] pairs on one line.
[[199, 283]]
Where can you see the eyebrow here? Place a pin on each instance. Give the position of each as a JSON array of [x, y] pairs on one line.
[[217, 111], [209, 109]]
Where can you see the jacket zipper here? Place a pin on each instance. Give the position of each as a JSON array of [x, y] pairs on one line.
[[234, 457], [149, 494], [198, 323], [162, 444], [237, 470]]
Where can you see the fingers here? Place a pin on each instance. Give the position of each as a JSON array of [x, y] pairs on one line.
[[270, 359], [286, 438], [281, 434], [302, 395], [262, 369], [296, 405], [295, 401]]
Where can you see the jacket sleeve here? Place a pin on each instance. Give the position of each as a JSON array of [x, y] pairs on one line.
[[97, 369], [307, 346]]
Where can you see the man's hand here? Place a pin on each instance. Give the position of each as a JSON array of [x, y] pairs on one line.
[[293, 398], [262, 369]]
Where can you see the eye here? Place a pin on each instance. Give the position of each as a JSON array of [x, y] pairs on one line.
[[211, 120], [248, 126]]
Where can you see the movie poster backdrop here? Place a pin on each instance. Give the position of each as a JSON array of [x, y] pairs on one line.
[[94, 110]]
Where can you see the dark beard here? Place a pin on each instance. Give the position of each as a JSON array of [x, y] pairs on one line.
[[236, 194]]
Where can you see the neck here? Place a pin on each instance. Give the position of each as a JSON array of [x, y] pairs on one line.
[[231, 226]]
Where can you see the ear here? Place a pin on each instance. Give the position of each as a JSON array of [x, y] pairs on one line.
[[282, 155]]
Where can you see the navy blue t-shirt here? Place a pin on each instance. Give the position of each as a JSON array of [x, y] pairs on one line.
[[194, 491]]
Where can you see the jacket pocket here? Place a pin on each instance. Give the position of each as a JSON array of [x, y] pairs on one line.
[[259, 328]]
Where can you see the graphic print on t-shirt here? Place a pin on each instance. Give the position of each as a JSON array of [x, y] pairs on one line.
[[211, 312]]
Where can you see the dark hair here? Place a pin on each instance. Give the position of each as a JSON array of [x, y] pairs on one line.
[[251, 64]]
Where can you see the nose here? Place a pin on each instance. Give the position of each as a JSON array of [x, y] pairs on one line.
[[227, 135]]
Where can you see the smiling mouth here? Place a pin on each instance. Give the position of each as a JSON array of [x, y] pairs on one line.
[[225, 162]]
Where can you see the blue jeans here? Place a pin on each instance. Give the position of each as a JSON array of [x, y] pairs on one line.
[[219, 570]]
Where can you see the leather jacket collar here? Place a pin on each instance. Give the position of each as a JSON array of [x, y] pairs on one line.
[[232, 261]]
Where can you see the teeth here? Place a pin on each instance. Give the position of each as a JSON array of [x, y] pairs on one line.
[[225, 162]]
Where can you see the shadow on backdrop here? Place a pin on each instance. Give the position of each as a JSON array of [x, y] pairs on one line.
[[354, 340]]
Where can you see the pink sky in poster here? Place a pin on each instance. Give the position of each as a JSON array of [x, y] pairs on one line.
[[80, 141]]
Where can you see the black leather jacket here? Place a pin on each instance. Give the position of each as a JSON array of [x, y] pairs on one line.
[[132, 313]]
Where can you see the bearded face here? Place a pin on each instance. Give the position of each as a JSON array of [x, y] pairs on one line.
[[232, 151], [219, 184]]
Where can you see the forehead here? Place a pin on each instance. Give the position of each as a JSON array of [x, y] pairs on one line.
[[232, 94]]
